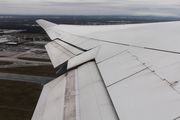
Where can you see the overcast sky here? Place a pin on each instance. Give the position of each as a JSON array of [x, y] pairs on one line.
[[91, 7]]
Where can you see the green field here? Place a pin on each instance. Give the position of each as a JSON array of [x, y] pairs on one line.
[[47, 70], [35, 59], [15, 96], [5, 63], [18, 99]]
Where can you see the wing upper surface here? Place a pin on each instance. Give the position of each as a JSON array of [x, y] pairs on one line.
[[138, 90], [139, 64], [76, 95], [163, 35]]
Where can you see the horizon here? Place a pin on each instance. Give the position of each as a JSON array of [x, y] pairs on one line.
[[90, 15], [164, 8]]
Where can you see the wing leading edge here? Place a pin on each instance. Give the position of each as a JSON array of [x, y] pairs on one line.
[[139, 82]]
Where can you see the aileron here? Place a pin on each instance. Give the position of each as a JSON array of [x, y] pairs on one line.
[[57, 53]]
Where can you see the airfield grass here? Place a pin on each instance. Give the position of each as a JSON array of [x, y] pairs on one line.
[[21, 95], [46, 70], [5, 63], [35, 59]]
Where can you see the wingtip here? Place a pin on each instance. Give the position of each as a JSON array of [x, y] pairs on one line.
[[45, 24], [39, 20]]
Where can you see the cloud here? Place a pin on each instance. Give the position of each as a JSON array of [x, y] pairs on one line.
[[93, 7]]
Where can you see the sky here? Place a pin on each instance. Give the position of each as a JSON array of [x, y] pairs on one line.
[[91, 7]]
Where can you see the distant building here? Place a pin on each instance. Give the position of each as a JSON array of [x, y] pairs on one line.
[[26, 48], [11, 43], [38, 43]]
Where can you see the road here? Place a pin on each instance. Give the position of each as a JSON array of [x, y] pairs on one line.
[[22, 64], [26, 78], [16, 108], [15, 57]]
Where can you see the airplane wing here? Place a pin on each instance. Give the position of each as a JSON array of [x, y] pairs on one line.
[[112, 72]]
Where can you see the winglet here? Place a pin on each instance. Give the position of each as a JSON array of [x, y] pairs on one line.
[[45, 24]]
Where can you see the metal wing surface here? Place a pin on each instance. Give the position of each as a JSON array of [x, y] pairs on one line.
[[111, 72]]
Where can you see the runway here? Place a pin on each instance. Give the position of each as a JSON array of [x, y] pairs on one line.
[[26, 78], [22, 64]]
